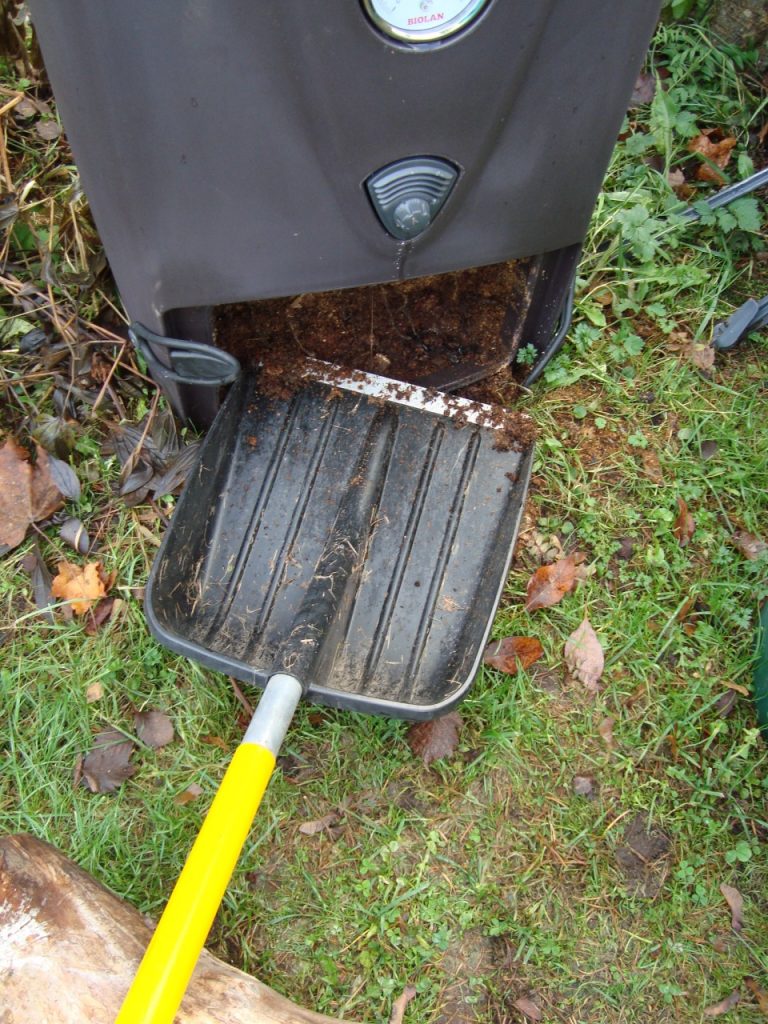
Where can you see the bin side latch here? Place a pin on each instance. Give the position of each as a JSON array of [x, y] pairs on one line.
[[186, 362]]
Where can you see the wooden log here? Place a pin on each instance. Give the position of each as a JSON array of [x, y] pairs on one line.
[[69, 948]]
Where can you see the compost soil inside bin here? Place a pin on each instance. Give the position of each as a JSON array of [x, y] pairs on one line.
[[405, 330]]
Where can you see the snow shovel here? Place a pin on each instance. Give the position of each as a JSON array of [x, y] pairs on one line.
[[348, 544]]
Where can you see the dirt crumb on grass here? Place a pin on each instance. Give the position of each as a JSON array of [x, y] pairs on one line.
[[473, 957], [643, 859]]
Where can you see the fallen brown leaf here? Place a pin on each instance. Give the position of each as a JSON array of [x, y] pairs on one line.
[[94, 692], [719, 153], [528, 1008], [46, 498], [101, 614], [605, 729], [216, 741], [643, 89], [723, 1006], [311, 828], [735, 901], [48, 130], [652, 466], [436, 738], [700, 353], [192, 792], [761, 996], [684, 524], [15, 496], [679, 185], [551, 583], [584, 656], [749, 545], [400, 1004], [626, 549], [28, 492], [82, 586], [725, 703], [154, 728], [107, 765], [737, 687], [512, 652]]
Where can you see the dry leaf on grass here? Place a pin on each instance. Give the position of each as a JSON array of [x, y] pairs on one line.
[[512, 652], [652, 466], [101, 614], [324, 824], [400, 1004], [216, 741], [722, 943], [435, 739], [94, 692], [743, 690], [723, 1006], [30, 492], [643, 90], [107, 766], [700, 353], [528, 1008], [725, 703], [679, 185], [684, 524], [749, 545], [192, 792], [154, 728], [761, 996], [735, 901], [81, 586], [584, 656], [49, 485], [605, 729], [717, 152], [15, 497], [551, 583], [48, 130]]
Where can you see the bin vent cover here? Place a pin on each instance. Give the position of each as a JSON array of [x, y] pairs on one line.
[[407, 195]]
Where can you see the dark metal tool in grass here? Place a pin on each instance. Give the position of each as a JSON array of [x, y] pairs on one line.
[[349, 545], [750, 316], [727, 195]]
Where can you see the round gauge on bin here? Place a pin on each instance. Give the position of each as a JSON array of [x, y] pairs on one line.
[[422, 21]]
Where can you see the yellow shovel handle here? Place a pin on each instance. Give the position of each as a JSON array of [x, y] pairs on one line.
[[161, 980]]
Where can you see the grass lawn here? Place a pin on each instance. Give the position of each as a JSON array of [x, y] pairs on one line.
[[491, 876]]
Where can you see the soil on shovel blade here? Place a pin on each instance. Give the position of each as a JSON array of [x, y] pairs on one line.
[[405, 330]]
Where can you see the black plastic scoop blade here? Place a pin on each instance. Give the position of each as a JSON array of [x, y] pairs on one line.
[[441, 497]]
